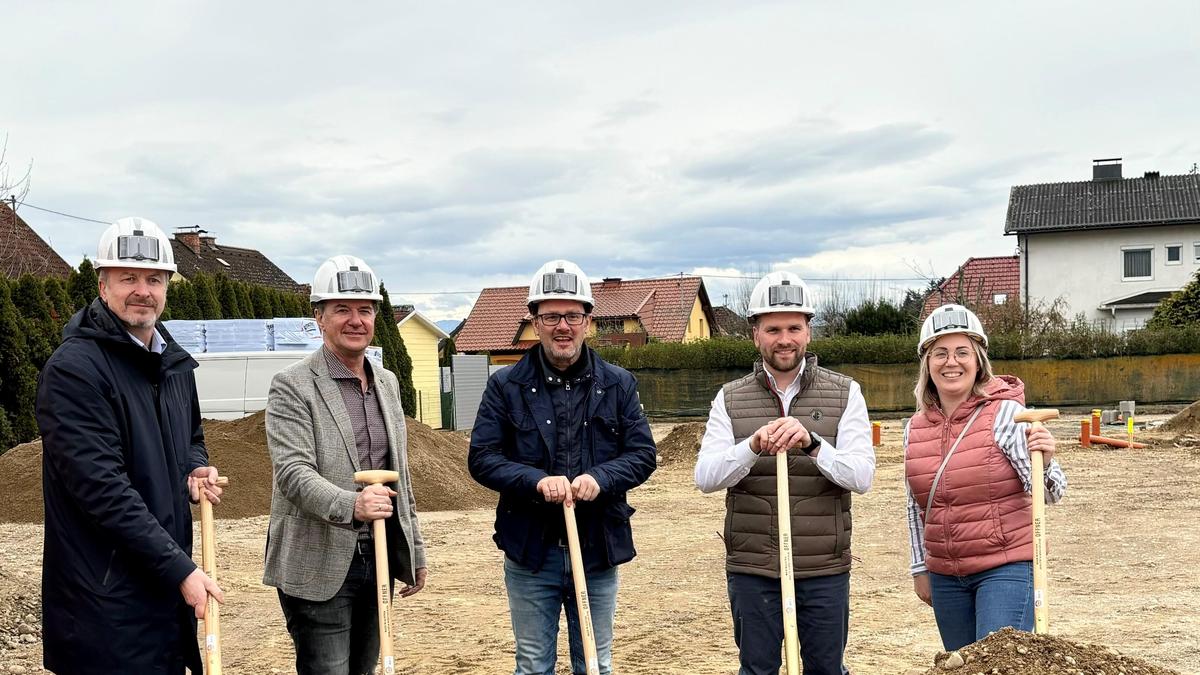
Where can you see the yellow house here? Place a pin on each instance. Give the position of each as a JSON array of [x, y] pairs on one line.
[[630, 312], [421, 340]]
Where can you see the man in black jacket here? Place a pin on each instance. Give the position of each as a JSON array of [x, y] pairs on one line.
[[561, 427], [123, 452]]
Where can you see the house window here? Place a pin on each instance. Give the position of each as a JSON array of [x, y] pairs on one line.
[[607, 326], [1174, 254], [999, 298], [1138, 264], [1196, 251]]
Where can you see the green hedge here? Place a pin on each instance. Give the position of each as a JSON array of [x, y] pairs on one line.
[[1065, 343]]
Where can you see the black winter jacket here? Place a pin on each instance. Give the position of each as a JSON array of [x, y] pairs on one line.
[[512, 446], [120, 433]]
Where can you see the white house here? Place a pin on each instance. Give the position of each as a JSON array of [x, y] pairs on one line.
[[1111, 248]]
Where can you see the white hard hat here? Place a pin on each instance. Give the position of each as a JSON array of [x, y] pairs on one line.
[[947, 320], [560, 280], [345, 277], [781, 292], [135, 242]]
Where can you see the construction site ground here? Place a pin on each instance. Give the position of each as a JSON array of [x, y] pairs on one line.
[[1124, 554]]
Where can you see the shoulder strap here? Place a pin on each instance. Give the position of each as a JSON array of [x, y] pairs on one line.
[[946, 460]]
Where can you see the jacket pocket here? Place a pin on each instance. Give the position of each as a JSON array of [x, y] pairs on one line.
[[606, 438], [618, 533], [527, 441], [840, 539]]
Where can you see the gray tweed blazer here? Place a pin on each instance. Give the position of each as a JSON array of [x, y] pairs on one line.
[[312, 538]]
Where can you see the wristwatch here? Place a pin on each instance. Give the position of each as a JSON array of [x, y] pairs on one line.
[[814, 443]]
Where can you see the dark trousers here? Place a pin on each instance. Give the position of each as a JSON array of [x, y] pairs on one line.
[[339, 636], [822, 622]]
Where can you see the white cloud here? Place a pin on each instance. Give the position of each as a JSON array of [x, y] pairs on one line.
[[456, 147]]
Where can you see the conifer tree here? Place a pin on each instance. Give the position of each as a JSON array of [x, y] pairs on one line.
[[19, 385], [395, 354], [206, 297], [36, 319], [245, 302], [227, 296], [260, 299], [60, 302], [82, 285]]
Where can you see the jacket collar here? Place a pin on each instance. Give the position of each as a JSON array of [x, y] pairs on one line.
[[528, 370], [98, 323]]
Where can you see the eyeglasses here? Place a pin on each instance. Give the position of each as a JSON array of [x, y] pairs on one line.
[[573, 318], [941, 355]]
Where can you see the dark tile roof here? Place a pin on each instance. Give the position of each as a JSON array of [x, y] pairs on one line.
[[976, 282], [663, 306], [401, 311], [1094, 205], [1147, 299], [242, 264], [22, 251], [730, 322]]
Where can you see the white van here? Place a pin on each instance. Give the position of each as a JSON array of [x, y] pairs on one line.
[[232, 385]]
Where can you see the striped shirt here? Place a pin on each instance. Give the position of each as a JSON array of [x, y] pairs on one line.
[[1010, 436], [366, 416]]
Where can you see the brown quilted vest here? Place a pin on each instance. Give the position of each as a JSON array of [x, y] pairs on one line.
[[820, 508]]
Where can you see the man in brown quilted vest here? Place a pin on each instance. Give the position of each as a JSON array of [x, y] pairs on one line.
[[787, 404]]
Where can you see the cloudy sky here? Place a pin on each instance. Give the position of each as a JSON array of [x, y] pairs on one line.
[[459, 145]]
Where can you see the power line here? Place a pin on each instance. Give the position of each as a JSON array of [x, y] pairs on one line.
[[822, 279], [68, 215]]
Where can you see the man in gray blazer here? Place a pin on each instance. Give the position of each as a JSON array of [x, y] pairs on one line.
[[328, 416]]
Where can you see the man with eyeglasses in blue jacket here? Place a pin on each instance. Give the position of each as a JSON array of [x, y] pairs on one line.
[[561, 426]]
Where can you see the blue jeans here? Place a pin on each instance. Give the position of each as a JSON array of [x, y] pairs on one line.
[[822, 622], [339, 636], [535, 601], [968, 608]]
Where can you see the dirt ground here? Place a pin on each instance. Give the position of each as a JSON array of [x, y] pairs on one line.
[[1124, 550]]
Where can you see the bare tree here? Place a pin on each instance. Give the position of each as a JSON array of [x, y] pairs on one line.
[[745, 286], [12, 188]]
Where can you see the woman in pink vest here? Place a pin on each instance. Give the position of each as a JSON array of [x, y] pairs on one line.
[[966, 465]]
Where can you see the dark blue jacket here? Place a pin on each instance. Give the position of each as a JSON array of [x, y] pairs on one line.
[[120, 433], [512, 444]]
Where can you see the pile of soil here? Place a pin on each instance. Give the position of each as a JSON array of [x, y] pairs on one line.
[[1185, 421], [437, 462], [21, 468], [681, 445], [1015, 652]]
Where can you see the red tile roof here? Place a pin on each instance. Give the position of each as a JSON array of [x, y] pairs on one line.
[[976, 283], [663, 306], [22, 251]]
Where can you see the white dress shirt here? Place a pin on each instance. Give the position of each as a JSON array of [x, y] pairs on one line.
[[851, 464], [157, 344]]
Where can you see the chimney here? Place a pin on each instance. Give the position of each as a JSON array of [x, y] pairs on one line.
[[189, 237], [612, 281], [209, 240], [1106, 169]]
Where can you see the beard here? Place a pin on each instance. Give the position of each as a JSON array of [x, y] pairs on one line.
[[783, 363]]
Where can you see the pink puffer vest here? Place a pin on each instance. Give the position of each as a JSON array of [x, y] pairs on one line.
[[981, 516]]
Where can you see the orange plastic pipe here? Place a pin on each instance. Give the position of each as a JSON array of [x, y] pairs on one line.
[[1085, 433], [1116, 442]]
